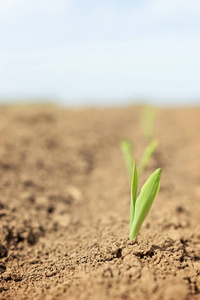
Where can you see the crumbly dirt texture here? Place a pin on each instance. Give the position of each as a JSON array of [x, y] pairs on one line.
[[65, 198]]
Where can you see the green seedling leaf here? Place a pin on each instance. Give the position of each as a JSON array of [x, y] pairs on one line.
[[144, 201], [134, 186], [148, 152], [126, 149]]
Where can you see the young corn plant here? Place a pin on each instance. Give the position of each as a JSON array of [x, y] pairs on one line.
[[147, 119], [126, 149], [141, 205], [148, 153]]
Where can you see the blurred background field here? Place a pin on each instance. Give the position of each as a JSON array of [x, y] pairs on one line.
[[79, 53]]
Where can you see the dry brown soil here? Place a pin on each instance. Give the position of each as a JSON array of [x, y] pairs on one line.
[[64, 206]]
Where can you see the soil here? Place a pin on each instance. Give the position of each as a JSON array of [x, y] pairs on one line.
[[64, 205]]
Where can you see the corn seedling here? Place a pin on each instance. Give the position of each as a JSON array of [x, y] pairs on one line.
[[140, 206], [148, 115], [148, 153], [126, 149]]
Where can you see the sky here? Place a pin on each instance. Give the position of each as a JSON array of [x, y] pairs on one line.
[[100, 52]]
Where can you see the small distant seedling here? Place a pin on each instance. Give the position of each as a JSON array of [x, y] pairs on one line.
[[148, 153], [126, 149], [141, 207], [148, 116]]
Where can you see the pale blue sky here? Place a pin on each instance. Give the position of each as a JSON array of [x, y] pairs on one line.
[[81, 52]]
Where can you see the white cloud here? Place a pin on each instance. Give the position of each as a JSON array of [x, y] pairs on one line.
[[19, 8], [6, 6], [152, 10], [166, 7]]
